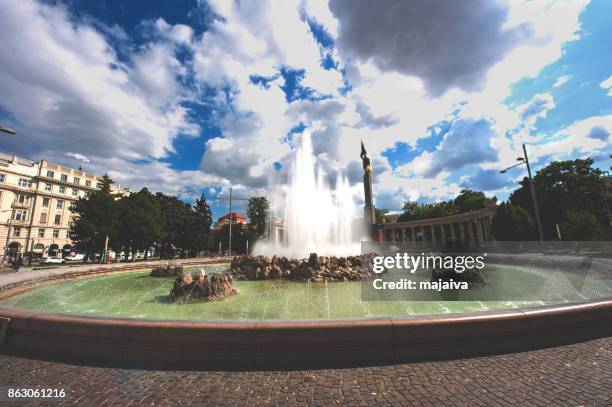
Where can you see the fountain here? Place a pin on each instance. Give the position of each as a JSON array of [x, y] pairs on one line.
[[315, 218]]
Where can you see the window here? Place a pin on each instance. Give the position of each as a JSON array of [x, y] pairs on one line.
[[99, 185], [75, 192], [64, 177], [2, 177], [20, 214], [41, 232], [48, 187], [88, 184], [62, 189], [76, 180], [55, 233], [25, 183], [45, 202], [21, 198], [16, 231], [43, 218], [60, 204], [50, 174], [58, 219]]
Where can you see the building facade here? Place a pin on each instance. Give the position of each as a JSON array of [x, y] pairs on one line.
[[35, 200], [225, 219], [473, 228]]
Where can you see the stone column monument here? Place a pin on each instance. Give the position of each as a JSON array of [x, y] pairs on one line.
[[368, 209]]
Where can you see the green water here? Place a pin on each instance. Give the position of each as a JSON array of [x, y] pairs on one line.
[[136, 295]]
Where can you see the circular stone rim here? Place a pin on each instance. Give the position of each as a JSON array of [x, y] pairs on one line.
[[293, 343]]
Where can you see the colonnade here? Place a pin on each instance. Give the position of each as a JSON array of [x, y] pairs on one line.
[[472, 227]]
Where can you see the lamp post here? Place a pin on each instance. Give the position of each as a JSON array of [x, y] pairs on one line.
[[534, 199], [7, 130], [230, 217]]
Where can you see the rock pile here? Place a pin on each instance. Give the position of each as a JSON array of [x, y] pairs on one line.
[[199, 286], [169, 270], [315, 268]]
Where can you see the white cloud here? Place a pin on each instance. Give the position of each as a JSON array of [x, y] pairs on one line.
[[577, 138], [71, 92], [607, 84], [78, 157], [561, 80], [68, 91]]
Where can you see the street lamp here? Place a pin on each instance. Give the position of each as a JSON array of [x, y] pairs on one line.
[[7, 130], [534, 199], [230, 217]]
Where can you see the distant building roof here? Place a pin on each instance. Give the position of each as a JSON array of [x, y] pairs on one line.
[[234, 215]]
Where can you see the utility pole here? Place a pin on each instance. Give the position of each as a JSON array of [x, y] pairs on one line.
[[534, 198]]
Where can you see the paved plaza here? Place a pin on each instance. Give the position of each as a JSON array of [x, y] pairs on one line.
[[574, 375]]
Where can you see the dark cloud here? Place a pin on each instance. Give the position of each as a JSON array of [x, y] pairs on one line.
[[487, 180], [308, 110], [599, 133], [466, 143], [445, 43], [374, 122], [538, 106]]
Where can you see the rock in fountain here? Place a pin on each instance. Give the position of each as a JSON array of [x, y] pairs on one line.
[[169, 270], [316, 268], [199, 286]]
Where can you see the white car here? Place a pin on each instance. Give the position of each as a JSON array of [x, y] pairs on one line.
[[75, 257], [53, 260]]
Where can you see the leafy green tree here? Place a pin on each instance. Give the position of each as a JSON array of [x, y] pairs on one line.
[[567, 185], [580, 225], [380, 216], [416, 210], [241, 233], [258, 212], [469, 200], [93, 219], [140, 223], [177, 220], [512, 223], [198, 229]]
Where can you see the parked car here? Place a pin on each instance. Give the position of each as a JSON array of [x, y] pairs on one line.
[[75, 257], [53, 260]]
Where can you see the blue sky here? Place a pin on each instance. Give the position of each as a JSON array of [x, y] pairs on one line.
[[189, 97]]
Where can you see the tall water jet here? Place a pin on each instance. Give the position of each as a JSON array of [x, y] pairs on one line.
[[315, 217]]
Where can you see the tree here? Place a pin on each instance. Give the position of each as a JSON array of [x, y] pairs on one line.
[[512, 223], [140, 223], [94, 218], [580, 225], [469, 200], [258, 212], [416, 211], [240, 235], [198, 229], [380, 216], [466, 201], [177, 220], [562, 186]]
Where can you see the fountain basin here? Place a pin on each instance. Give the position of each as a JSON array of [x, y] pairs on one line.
[[263, 342]]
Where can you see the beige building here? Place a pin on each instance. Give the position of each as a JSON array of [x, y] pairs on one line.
[[35, 200]]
